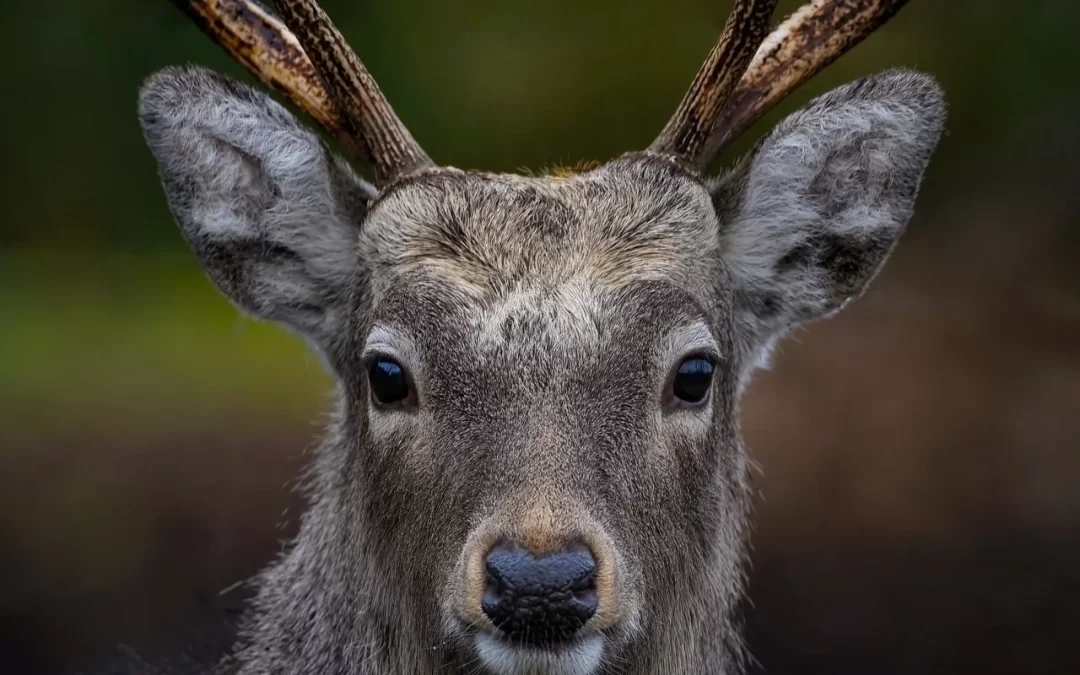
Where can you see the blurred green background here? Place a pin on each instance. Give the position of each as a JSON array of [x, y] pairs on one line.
[[920, 454]]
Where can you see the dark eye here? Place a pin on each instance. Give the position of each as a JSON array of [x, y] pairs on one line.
[[388, 382], [692, 380]]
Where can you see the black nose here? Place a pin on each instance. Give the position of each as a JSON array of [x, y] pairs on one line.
[[539, 600]]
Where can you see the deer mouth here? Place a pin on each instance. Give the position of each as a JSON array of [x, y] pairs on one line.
[[580, 656]]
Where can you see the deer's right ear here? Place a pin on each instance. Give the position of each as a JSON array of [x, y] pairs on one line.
[[811, 215], [271, 213]]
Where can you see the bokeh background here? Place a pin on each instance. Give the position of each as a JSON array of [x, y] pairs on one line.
[[919, 504]]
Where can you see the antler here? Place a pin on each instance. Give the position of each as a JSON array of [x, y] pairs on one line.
[[745, 74], [687, 132], [813, 37], [306, 58]]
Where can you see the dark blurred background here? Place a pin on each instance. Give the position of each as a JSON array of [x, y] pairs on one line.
[[919, 504]]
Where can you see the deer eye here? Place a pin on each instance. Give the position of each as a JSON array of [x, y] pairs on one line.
[[692, 380], [389, 385]]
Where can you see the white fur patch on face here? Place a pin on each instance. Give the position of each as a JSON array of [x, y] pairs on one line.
[[584, 658], [567, 312]]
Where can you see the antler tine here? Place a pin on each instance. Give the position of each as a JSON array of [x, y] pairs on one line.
[[813, 37], [376, 130], [263, 45], [689, 129]]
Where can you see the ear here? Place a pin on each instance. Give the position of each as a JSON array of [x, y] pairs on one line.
[[272, 215], [810, 216]]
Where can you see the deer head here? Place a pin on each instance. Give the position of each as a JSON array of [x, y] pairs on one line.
[[534, 465]]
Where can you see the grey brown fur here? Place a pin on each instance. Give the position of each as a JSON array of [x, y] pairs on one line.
[[539, 319]]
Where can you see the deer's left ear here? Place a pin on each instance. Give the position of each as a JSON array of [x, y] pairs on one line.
[[273, 216], [809, 217]]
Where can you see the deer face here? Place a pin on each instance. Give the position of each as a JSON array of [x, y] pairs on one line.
[[536, 458], [554, 359]]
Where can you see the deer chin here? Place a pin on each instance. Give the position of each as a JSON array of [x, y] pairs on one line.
[[579, 657]]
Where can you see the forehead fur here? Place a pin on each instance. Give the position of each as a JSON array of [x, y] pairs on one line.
[[634, 219]]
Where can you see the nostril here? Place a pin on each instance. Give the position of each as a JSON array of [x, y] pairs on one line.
[[494, 587], [539, 600], [585, 598], [581, 569]]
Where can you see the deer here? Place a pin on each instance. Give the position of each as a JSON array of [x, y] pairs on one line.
[[533, 464]]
